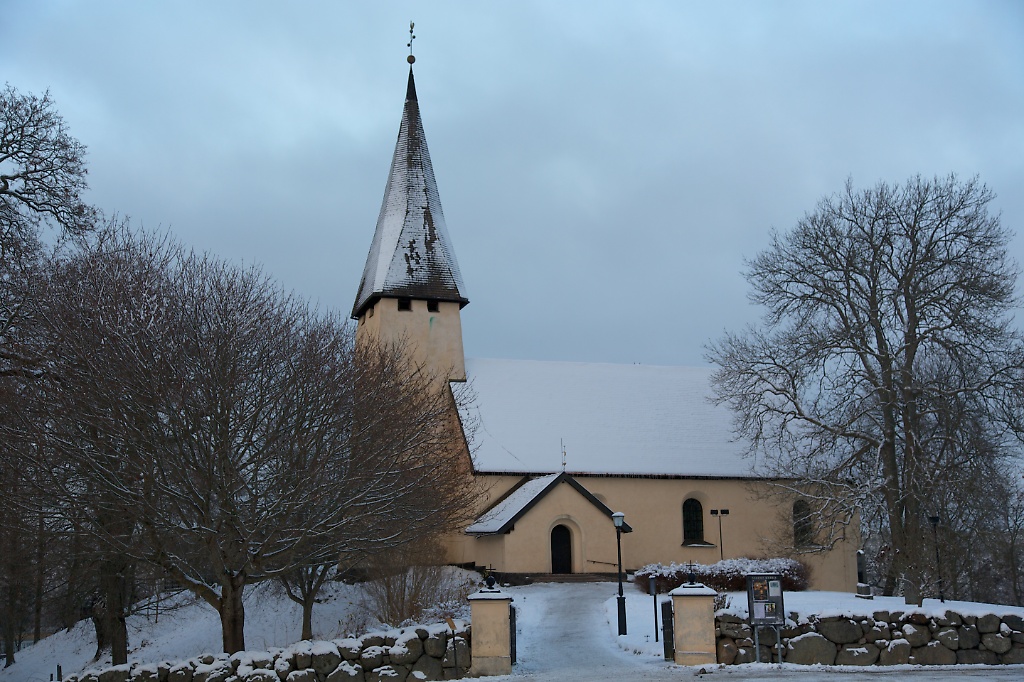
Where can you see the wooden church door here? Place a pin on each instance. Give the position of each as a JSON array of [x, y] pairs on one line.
[[561, 549]]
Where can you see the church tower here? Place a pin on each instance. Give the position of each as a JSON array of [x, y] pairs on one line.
[[411, 290]]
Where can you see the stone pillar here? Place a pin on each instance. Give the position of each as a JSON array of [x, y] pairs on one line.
[[693, 606], [492, 640]]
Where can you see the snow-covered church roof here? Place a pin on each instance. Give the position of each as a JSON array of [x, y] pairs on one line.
[[411, 254], [613, 419]]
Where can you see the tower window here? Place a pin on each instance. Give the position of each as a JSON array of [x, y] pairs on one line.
[[693, 522], [432, 306], [369, 311], [405, 304]]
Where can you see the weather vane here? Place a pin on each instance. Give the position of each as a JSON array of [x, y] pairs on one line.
[[412, 37]]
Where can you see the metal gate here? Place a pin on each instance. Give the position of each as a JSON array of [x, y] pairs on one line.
[[668, 630], [512, 630]]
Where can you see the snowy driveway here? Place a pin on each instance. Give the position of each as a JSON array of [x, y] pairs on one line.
[[563, 631], [564, 636]]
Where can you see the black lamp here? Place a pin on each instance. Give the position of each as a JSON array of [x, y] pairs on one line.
[[619, 518]]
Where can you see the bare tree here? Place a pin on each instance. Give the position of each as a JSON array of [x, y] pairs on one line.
[[229, 434], [102, 314], [302, 585], [42, 179], [1008, 538], [289, 445], [42, 168], [886, 347], [16, 540], [26, 540], [407, 479]]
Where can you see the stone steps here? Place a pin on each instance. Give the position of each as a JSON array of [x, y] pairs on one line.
[[526, 579]]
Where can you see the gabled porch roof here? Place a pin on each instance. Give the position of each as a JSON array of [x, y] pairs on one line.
[[501, 517]]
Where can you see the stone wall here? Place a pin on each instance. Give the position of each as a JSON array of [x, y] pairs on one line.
[[414, 653], [883, 638]]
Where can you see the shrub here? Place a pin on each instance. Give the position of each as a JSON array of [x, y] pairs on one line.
[[406, 587], [725, 576]]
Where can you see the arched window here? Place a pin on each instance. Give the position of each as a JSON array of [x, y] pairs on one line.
[[693, 522], [803, 527]]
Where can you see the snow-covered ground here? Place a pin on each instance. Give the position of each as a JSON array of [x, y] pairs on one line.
[[567, 633], [640, 612], [193, 628]]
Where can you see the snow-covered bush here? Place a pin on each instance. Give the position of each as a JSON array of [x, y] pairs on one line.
[[725, 576]]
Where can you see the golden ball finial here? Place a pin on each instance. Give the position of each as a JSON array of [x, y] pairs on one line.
[[411, 59]]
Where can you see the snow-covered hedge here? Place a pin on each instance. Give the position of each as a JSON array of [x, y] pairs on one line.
[[725, 576]]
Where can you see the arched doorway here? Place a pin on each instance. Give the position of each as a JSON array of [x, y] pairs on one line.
[[561, 549]]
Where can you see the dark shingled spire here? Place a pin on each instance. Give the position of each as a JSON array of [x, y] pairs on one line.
[[410, 90], [411, 255]]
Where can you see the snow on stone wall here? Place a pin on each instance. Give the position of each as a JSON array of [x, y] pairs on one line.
[[414, 653], [883, 638]]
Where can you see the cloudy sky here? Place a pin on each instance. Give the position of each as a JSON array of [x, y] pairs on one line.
[[604, 167]]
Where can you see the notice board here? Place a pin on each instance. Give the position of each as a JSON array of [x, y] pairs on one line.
[[764, 599]]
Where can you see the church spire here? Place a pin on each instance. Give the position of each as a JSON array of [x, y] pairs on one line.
[[411, 256]]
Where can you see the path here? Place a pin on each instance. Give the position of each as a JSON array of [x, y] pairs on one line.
[[563, 629], [564, 636]]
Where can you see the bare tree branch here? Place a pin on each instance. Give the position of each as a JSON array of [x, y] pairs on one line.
[[887, 357]]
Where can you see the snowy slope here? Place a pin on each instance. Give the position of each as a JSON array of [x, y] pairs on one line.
[[271, 620]]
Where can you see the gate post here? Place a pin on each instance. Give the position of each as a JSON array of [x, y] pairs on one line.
[[694, 607], [490, 614]]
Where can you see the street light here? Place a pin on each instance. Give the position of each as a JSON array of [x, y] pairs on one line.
[[934, 520], [721, 543], [619, 518]]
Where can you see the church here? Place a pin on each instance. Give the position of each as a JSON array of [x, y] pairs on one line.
[[558, 447]]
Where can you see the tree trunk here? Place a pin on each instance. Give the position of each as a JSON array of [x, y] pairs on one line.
[[12, 567], [912, 476], [10, 643], [40, 572], [307, 617], [72, 603], [113, 576], [1014, 572], [911, 590], [302, 585], [97, 613], [232, 615], [912, 574], [891, 580]]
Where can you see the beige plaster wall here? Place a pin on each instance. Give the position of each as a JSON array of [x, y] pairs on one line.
[[653, 507], [435, 339], [592, 533]]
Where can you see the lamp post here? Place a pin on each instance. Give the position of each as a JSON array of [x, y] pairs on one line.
[[619, 518], [719, 513], [934, 520]]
